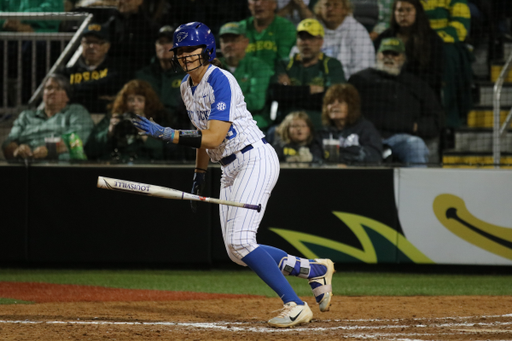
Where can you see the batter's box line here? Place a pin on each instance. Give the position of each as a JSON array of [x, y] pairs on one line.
[[230, 326]]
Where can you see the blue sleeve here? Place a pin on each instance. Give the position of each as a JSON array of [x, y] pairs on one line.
[[221, 108]]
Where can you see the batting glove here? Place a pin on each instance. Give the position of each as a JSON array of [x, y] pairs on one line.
[[197, 188], [150, 128]]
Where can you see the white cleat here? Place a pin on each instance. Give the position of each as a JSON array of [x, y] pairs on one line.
[[292, 315], [322, 286]]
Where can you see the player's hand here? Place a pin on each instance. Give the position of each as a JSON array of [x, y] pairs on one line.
[[197, 188], [150, 128]]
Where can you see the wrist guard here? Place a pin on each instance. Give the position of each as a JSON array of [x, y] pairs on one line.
[[191, 138]]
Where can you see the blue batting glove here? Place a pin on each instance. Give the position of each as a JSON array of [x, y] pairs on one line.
[[150, 128]]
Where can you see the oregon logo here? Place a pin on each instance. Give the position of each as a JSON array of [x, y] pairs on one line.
[[378, 243], [451, 211]]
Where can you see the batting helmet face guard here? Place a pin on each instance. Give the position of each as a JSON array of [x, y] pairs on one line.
[[194, 34]]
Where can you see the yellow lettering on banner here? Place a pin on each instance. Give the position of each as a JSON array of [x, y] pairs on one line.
[[103, 73], [78, 78], [95, 75], [86, 75]]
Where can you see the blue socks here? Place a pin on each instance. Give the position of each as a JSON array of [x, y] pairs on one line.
[[265, 266]]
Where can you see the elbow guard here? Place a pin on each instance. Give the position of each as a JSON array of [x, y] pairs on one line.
[[191, 138]]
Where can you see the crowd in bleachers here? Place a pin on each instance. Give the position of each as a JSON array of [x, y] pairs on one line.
[[323, 86]]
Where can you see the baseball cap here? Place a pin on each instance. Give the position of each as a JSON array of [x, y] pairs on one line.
[[392, 44], [166, 31], [311, 26], [232, 28], [97, 30]]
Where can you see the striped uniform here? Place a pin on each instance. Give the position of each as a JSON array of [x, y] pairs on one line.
[[251, 177]]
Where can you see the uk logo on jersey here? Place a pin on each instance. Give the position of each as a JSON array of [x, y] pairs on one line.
[[221, 106]]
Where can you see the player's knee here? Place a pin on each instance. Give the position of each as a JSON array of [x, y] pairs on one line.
[[240, 250]]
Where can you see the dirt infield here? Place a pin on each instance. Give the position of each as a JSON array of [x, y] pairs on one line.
[[95, 313]]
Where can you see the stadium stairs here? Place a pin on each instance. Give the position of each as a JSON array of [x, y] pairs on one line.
[[472, 147]]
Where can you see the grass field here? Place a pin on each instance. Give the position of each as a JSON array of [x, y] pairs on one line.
[[246, 282]]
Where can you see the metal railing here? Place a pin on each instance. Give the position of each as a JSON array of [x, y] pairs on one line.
[[73, 42], [499, 131]]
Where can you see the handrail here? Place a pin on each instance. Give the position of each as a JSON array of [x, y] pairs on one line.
[[496, 134], [70, 47]]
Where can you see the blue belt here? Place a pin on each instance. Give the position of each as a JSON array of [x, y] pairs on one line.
[[228, 159]]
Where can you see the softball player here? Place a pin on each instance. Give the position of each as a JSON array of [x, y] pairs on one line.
[[227, 134]]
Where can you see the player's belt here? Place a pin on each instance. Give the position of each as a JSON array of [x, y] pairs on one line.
[[228, 159]]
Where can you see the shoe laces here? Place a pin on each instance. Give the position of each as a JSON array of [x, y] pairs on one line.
[[285, 310]]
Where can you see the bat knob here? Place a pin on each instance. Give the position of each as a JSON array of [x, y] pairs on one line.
[[259, 208]]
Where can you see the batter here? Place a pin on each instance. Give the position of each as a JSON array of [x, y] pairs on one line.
[[227, 134]]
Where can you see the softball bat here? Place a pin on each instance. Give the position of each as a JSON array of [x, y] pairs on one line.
[[163, 192]]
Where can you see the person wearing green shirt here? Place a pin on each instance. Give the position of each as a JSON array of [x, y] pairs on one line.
[[252, 74], [31, 6], [302, 81], [270, 37], [451, 20], [27, 137]]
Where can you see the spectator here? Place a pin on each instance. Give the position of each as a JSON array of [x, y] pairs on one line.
[[96, 78], [295, 10], [27, 137], [296, 142], [451, 21], [423, 47], [345, 38], [356, 137], [385, 12], [303, 80], [166, 79], [133, 34], [403, 108], [31, 6], [270, 37], [252, 74], [115, 138]]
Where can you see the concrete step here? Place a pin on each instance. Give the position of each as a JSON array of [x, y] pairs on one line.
[[458, 159], [486, 93], [483, 116], [480, 140]]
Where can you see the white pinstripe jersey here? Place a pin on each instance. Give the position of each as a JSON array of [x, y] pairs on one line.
[[219, 97]]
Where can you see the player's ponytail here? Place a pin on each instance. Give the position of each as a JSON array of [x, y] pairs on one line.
[[216, 62]]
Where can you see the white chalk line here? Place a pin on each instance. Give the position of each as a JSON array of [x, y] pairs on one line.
[[244, 326]]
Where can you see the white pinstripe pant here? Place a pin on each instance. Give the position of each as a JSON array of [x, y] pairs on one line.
[[249, 179]]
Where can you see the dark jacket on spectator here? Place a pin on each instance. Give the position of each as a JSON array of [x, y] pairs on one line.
[[394, 103], [132, 38], [89, 85], [368, 148], [433, 72]]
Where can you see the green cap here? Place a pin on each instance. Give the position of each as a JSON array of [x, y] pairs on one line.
[[392, 44], [232, 28]]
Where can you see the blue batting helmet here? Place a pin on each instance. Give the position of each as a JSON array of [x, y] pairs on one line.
[[195, 34]]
